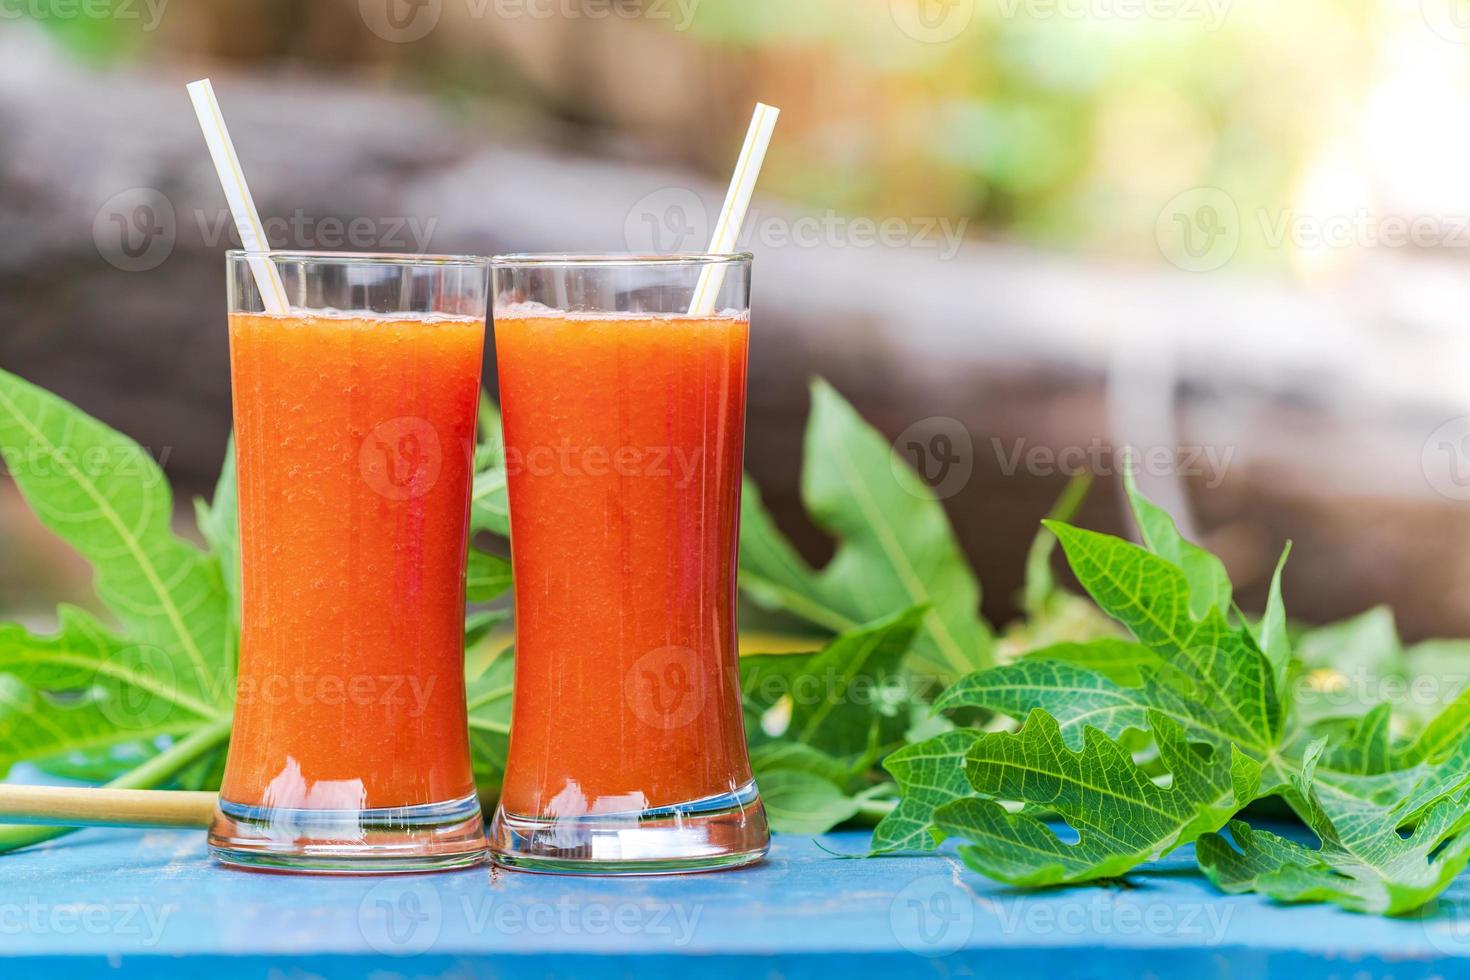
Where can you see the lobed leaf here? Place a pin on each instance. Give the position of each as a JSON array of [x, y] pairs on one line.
[[929, 774], [1208, 584], [102, 494], [895, 548], [1121, 816], [1387, 858]]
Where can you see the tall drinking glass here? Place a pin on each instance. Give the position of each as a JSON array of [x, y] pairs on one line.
[[355, 427], [624, 428]]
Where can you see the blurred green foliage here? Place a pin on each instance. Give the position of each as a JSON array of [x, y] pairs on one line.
[[1062, 122], [97, 31]]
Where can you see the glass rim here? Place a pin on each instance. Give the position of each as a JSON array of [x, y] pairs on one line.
[[531, 260], [362, 258]]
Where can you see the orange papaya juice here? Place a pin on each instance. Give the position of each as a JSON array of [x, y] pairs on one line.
[[354, 437], [624, 441]]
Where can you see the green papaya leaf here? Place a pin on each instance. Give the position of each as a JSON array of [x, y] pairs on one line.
[[838, 696], [895, 547], [1121, 816], [489, 712], [487, 576], [1387, 859], [1209, 585], [799, 802], [929, 774], [102, 494], [1041, 590]]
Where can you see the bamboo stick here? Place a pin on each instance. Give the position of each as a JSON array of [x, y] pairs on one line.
[[67, 806]]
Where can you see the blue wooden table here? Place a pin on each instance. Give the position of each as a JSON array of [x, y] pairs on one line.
[[150, 904]]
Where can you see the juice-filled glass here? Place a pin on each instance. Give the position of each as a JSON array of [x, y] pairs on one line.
[[355, 414], [624, 420]]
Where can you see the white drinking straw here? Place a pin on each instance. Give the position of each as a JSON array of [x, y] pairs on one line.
[[237, 193], [737, 202]]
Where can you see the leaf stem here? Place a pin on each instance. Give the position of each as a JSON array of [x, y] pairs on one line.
[[151, 774]]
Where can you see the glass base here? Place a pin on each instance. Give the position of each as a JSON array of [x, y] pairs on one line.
[[429, 837], [708, 834]]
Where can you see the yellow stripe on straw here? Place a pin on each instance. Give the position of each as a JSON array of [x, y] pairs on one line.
[[237, 194], [737, 203]]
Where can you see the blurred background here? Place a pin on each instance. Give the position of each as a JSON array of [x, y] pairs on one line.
[[1015, 233]]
